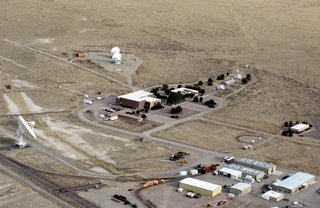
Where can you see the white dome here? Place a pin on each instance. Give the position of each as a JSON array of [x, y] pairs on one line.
[[115, 50]]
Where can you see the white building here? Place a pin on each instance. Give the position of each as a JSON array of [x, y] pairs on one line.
[[231, 173], [185, 91], [229, 82], [201, 187], [237, 77], [299, 128], [220, 87], [294, 182], [272, 196], [240, 189]]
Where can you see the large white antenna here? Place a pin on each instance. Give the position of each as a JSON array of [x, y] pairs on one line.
[[117, 58], [25, 129], [115, 50]]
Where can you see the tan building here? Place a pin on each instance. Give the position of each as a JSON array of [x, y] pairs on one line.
[[201, 187], [138, 100], [267, 168], [240, 189], [294, 182]]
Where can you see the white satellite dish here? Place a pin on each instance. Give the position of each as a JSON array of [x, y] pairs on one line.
[[115, 50], [25, 129], [116, 58]]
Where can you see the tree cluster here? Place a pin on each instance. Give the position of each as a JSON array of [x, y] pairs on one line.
[[220, 77], [176, 110], [196, 87], [197, 99], [210, 103], [246, 79], [175, 97], [157, 106]]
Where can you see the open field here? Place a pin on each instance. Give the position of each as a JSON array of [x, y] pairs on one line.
[[282, 34], [289, 153], [13, 195], [268, 103], [176, 42], [206, 135], [132, 125]]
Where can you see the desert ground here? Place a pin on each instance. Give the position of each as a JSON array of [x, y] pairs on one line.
[[175, 42]]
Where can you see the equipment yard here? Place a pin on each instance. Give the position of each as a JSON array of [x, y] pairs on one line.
[[159, 104]]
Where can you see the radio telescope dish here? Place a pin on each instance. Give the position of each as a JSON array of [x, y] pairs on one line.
[[25, 129], [116, 58], [115, 50]]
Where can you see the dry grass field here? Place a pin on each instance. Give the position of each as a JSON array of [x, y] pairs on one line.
[[268, 103], [206, 135]]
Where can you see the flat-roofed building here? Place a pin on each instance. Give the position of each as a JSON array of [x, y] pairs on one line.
[[299, 128], [231, 173], [256, 174], [295, 182], [201, 187], [185, 91], [240, 189], [138, 100], [272, 196], [268, 168], [229, 82]]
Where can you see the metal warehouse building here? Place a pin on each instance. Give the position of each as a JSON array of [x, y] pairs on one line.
[[256, 174], [240, 189], [231, 173], [201, 187], [294, 182], [138, 100], [268, 168]]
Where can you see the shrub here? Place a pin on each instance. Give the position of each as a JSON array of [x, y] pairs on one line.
[[209, 84], [244, 81], [157, 106], [176, 110], [200, 83], [210, 80], [179, 86], [165, 86], [144, 116], [175, 98], [248, 77], [201, 99], [220, 77], [196, 99]]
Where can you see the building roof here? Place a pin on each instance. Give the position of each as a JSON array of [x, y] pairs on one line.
[[273, 194], [294, 181], [200, 184], [300, 127], [151, 99], [241, 186], [230, 171], [186, 90], [136, 96], [245, 170], [255, 162]]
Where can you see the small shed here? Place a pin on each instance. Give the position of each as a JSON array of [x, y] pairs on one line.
[[237, 77], [272, 196], [220, 87], [229, 82], [240, 189]]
